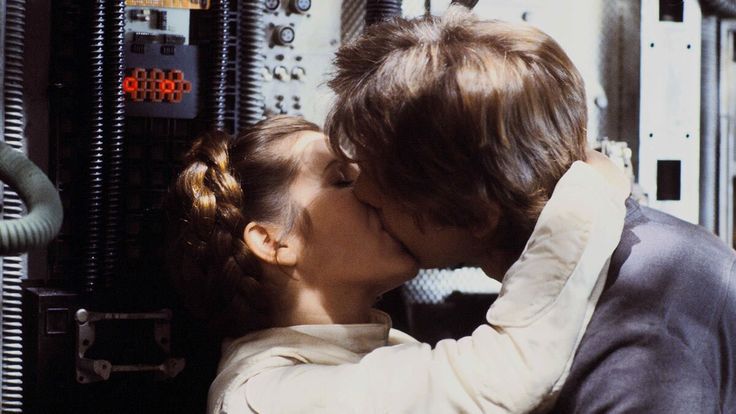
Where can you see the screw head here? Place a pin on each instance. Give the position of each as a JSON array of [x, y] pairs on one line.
[[82, 316]]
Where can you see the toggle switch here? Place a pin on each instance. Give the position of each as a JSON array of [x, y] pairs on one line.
[[281, 73], [272, 4], [298, 73], [283, 35], [300, 6]]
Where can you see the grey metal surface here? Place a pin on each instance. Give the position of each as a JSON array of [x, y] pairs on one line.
[[618, 67], [726, 147], [352, 19], [709, 123], [669, 147]]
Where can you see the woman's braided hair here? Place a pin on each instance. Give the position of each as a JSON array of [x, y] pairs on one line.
[[225, 184]]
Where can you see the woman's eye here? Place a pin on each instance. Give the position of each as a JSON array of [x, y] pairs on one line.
[[344, 182], [345, 176]]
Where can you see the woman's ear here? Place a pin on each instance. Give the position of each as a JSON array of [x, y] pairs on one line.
[[261, 240]]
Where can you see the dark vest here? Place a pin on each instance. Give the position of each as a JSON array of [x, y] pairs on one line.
[[663, 336]]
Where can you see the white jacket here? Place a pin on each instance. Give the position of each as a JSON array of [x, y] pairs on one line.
[[514, 364]]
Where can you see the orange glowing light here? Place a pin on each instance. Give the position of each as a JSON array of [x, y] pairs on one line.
[[130, 84], [167, 86], [156, 85]]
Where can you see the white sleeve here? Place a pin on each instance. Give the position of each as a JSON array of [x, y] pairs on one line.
[[511, 364]]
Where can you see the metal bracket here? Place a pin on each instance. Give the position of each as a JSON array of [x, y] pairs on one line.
[[95, 370]]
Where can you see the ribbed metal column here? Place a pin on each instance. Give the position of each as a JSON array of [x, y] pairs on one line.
[[218, 105], [2, 122], [13, 267], [252, 39], [96, 157], [709, 123], [352, 19], [114, 145], [379, 10]]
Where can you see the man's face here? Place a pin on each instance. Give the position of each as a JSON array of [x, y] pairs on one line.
[[432, 245]]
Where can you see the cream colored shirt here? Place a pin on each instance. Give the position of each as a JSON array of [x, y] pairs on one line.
[[515, 363]]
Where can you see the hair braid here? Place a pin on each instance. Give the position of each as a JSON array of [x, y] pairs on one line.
[[210, 236], [225, 184]]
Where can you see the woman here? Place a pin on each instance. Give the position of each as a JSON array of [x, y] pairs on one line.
[[276, 251]]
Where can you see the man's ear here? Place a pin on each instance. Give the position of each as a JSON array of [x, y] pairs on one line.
[[261, 240]]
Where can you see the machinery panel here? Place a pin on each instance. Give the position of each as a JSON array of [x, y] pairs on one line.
[[158, 22], [727, 133], [180, 4], [302, 38], [669, 147], [161, 80]]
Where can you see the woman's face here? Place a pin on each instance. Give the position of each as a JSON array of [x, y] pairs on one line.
[[345, 242]]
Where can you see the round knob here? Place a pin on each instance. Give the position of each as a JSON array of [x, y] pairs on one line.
[[273, 4], [283, 35], [298, 73], [300, 6], [82, 316], [280, 73], [266, 72]]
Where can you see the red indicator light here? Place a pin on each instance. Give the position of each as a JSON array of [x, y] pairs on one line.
[[167, 86], [130, 84], [155, 85]]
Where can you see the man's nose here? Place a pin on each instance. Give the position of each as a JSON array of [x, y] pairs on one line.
[[366, 191]]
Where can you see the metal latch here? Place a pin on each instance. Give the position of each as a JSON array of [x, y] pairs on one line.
[[95, 370]]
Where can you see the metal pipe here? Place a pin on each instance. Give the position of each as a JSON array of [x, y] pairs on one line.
[[708, 122], [45, 213], [380, 10]]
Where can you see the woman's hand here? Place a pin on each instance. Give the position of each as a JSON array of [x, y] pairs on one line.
[[612, 174]]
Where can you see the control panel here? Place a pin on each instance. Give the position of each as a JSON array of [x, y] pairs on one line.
[[174, 4], [160, 80], [302, 38], [161, 76]]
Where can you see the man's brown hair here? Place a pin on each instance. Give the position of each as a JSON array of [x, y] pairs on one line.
[[451, 113]]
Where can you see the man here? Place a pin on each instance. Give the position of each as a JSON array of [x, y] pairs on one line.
[[462, 128]]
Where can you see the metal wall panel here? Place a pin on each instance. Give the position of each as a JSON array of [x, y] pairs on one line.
[[726, 134], [669, 148]]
